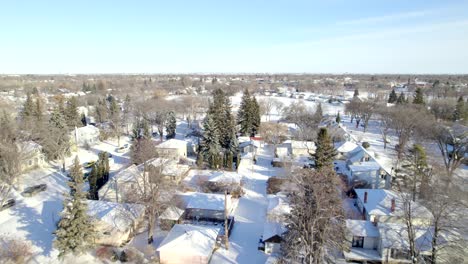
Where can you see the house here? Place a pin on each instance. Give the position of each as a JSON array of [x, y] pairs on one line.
[[368, 174], [117, 188], [116, 223], [208, 206], [386, 206], [345, 148], [188, 244], [301, 148], [384, 242], [272, 236], [85, 136], [171, 169], [171, 216], [172, 149], [31, 155], [274, 228], [249, 147]]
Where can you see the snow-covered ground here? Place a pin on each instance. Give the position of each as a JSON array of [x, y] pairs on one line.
[[250, 215], [34, 218]]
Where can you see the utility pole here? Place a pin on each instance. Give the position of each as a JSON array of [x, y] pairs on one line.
[[226, 229]]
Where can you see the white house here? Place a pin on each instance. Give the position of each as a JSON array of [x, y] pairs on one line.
[[31, 155], [272, 236], [116, 223], [208, 206], [85, 136], [274, 228], [368, 173], [188, 244], [116, 189], [386, 206], [172, 149], [345, 148]]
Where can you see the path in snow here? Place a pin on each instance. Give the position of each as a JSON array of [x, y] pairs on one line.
[[250, 215]]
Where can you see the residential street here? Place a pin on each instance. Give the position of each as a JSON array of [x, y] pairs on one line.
[[250, 214]]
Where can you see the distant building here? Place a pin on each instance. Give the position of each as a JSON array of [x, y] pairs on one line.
[[85, 136]]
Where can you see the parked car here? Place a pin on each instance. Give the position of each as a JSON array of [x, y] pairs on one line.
[[9, 203], [33, 190], [123, 148]]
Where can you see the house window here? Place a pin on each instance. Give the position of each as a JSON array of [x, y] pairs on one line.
[[30, 162], [358, 241]]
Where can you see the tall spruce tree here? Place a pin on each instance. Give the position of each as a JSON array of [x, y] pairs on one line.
[[28, 107], [318, 115], [418, 97], [460, 110], [401, 99], [325, 151], [210, 147], [256, 117], [93, 183], [75, 232], [56, 144], [338, 118], [71, 113], [171, 125], [244, 117], [392, 98]]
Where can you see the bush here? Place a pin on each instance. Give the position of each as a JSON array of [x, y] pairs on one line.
[[13, 250], [274, 185], [365, 145], [132, 255], [107, 253]]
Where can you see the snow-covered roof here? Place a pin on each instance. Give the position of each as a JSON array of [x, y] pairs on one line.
[[396, 236], [362, 228], [121, 216], [208, 201], [356, 155], [87, 130], [249, 143], [170, 167], [132, 173], [198, 240], [295, 144], [173, 144], [278, 204], [29, 146], [271, 229], [346, 147], [365, 166], [379, 202], [225, 177], [172, 213]]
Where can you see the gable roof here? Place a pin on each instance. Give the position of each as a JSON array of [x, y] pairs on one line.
[[172, 213], [365, 166], [121, 216], [208, 201], [379, 203], [199, 240], [273, 229], [396, 236], [346, 147], [362, 228], [173, 144]]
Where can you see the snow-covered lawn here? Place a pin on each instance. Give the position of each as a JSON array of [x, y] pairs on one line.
[[250, 215], [34, 218]]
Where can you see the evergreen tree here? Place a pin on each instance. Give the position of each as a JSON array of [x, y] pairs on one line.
[[460, 110], [210, 143], [101, 111], [38, 109], [418, 97], [338, 118], [356, 93], [256, 117], [244, 117], [199, 158], [401, 99], [75, 232], [392, 98], [93, 186], [325, 151], [71, 113], [171, 125], [28, 107]]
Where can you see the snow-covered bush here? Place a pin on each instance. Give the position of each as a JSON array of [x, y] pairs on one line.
[[13, 250]]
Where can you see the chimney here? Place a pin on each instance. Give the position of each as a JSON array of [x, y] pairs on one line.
[[392, 209], [365, 197]]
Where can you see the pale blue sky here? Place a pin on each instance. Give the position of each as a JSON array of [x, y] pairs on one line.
[[333, 36]]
